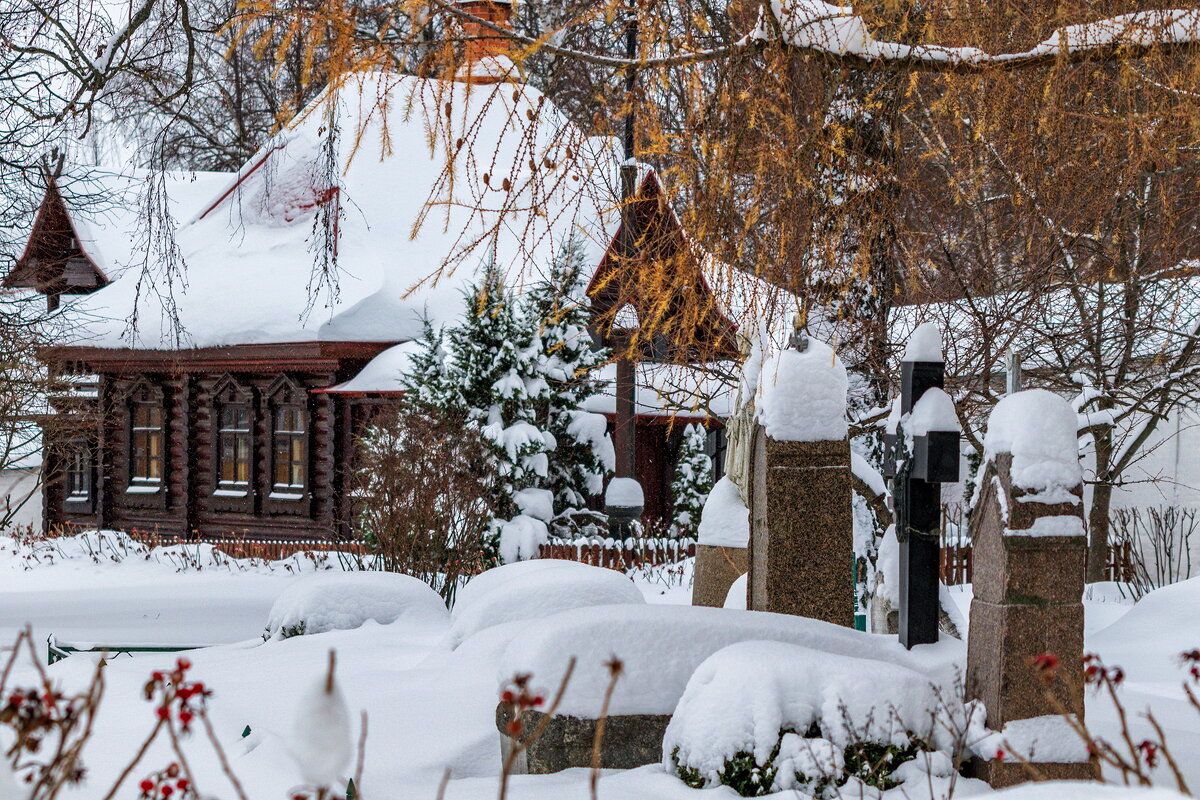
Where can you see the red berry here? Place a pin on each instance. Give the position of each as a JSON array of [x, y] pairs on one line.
[[166, 791], [162, 712], [507, 697], [514, 727], [999, 755], [182, 783], [146, 786], [538, 700], [173, 770], [183, 664], [185, 717], [198, 687], [156, 676]]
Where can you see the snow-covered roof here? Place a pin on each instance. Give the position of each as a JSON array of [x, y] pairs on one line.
[[420, 173], [382, 374]]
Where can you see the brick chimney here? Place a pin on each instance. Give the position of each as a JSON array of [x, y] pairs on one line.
[[487, 58]]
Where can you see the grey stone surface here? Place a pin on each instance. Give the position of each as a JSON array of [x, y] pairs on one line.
[[1028, 601], [801, 535], [629, 741], [716, 570]]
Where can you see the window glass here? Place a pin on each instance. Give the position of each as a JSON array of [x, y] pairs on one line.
[[290, 448], [234, 440], [146, 444], [79, 474]]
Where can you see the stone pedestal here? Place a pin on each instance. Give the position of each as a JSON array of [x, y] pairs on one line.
[[1000, 774], [1028, 601], [801, 530], [716, 570], [630, 741]]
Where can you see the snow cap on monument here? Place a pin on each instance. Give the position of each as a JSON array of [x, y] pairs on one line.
[[925, 344], [624, 493], [801, 396], [934, 412], [1039, 429]]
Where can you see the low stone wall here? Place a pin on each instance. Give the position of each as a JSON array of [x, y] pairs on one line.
[[629, 741], [716, 570]]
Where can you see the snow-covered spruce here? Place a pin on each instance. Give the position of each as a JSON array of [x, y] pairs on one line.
[[762, 717], [555, 316], [332, 601], [493, 378], [691, 482]]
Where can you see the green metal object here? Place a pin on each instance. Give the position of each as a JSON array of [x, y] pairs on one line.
[[56, 651]]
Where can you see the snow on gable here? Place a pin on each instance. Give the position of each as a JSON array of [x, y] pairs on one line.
[[419, 176]]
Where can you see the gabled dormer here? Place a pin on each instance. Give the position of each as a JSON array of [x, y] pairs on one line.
[[55, 262], [657, 299]]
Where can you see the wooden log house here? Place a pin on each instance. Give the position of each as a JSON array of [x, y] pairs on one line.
[[233, 405]]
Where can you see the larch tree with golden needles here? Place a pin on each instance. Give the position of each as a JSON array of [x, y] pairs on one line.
[[1021, 171]]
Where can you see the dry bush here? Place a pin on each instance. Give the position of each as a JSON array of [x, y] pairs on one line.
[[421, 489], [1160, 543]]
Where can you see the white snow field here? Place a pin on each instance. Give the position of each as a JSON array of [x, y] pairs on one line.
[[431, 708]]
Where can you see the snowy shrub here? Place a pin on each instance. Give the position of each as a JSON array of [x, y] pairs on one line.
[[762, 717], [532, 589], [691, 482], [345, 600], [422, 490]]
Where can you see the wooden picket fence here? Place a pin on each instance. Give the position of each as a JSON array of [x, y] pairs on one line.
[[237, 546], [957, 564], [649, 551]]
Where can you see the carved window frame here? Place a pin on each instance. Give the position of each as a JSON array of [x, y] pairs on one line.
[[147, 423], [230, 395], [289, 418]]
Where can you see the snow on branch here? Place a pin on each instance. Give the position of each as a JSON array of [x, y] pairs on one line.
[[838, 31]]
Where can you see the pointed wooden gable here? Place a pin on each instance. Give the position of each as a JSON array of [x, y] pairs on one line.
[[54, 261], [657, 299]]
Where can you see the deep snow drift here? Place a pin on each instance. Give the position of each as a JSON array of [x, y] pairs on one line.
[[431, 707]]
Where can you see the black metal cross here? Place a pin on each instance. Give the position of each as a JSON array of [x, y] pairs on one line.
[[916, 497]]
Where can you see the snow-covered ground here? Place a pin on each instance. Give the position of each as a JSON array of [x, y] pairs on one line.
[[430, 707]]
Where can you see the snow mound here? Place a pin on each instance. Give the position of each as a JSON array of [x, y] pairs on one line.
[[337, 601], [536, 503], [1083, 790], [925, 344], [725, 520], [1039, 429], [322, 741], [743, 696], [515, 592], [802, 396], [1148, 639], [521, 538], [624, 493], [933, 412], [735, 598], [1047, 738], [662, 645]]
